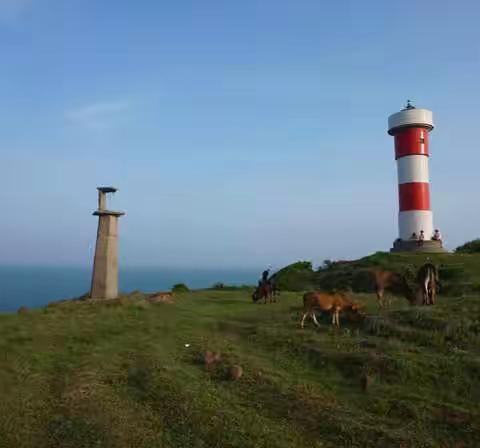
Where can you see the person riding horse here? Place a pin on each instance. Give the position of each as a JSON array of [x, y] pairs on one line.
[[266, 288], [265, 275]]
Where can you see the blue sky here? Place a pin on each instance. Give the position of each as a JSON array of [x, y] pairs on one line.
[[239, 133]]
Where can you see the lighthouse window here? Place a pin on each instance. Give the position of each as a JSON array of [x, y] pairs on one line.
[[422, 140]]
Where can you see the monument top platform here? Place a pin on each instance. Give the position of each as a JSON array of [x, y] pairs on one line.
[[107, 189], [107, 212]]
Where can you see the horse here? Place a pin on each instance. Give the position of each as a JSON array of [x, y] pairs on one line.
[[264, 290]]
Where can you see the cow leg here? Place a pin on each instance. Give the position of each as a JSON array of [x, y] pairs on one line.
[[380, 297], [314, 317], [426, 298], [303, 319], [335, 320]]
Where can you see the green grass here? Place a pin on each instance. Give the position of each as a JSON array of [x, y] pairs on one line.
[[119, 375]]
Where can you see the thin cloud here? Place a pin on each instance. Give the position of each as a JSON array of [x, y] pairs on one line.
[[98, 115], [11, 10]]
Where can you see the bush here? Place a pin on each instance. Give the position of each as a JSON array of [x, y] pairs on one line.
[[298, 276], [471, 247], [180, 287]]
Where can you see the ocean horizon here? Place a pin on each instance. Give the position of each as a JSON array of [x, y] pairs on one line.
[[36, 286]]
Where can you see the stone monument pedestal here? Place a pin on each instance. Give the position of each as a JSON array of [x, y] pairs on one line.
[[428, 246]]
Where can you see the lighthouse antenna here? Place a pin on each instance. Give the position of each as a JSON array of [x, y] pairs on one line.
[[409, 105]]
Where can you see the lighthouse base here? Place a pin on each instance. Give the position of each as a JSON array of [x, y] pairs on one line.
[[428, 246]]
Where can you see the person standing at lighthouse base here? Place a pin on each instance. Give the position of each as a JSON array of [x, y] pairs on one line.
[[437, 236], [421, 238]]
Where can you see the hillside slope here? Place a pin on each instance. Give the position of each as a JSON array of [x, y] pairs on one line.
[[459, 273], [120, 375]]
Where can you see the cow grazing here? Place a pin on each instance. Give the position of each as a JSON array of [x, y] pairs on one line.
[[334, 303]]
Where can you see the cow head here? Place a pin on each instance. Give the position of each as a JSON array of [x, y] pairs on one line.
[[356, 309]]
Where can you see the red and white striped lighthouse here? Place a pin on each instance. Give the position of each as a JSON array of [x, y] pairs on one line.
[[410, 128]]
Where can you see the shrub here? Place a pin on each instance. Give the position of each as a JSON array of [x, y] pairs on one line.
[[296, 277], [180, 287], [471, 247]]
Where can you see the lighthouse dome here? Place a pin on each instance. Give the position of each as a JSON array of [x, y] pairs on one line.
[[408, 117]]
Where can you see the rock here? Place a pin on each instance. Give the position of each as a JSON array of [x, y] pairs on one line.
[[165, 297], [22, 310], [210, 359], [235, 373]]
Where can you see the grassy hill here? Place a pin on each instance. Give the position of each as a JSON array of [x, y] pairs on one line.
[[459, 272], [120, 375]]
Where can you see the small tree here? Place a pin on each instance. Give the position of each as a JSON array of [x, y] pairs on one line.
[[180, 287], [295, 277]]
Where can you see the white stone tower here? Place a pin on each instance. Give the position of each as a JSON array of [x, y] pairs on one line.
[[105, 263]]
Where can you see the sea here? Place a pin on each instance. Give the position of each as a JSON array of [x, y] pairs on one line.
[[35, 287]]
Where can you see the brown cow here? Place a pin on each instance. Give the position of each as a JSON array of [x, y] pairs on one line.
[[335, 303], [385, 280], [399, 284]]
